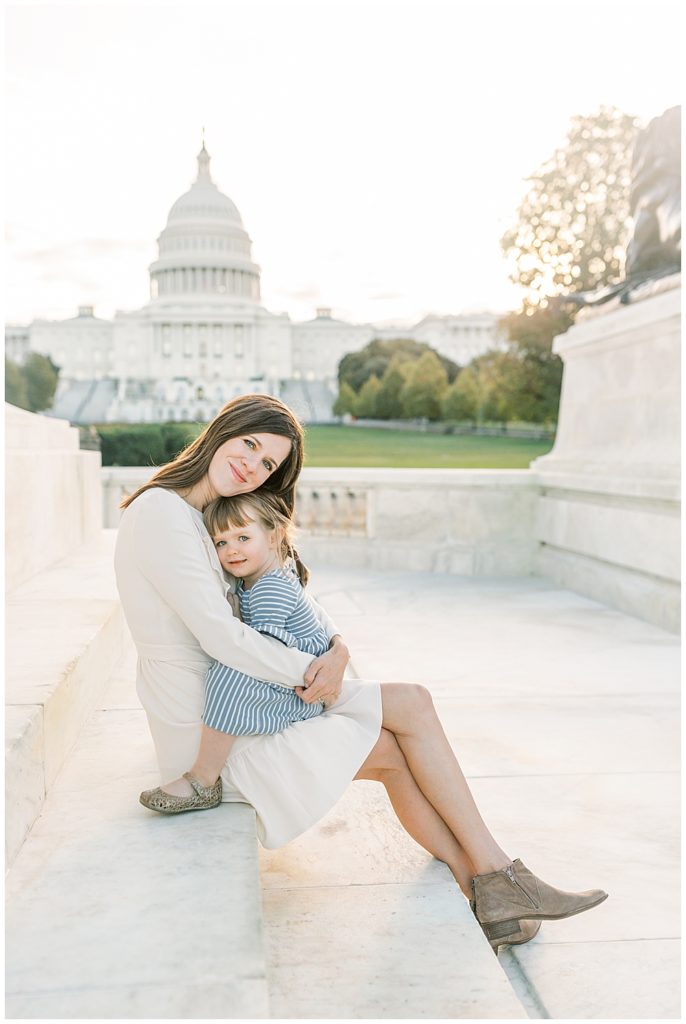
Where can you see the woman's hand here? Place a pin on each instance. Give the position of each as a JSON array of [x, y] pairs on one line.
[[324, 676]]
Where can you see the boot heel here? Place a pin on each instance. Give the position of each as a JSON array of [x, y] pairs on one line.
[[497, 931]]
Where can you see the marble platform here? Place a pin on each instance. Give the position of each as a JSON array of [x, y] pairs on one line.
[[565, 716]]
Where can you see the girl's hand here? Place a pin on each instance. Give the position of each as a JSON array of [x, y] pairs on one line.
[[324, 676]]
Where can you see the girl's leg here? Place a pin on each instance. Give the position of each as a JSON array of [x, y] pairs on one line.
[[386, 763], [214, 750], [408, 713]]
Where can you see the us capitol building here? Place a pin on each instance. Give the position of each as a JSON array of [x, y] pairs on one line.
[[204, 336]]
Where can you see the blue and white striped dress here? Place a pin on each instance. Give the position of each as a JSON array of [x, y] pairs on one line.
[[240, 705]]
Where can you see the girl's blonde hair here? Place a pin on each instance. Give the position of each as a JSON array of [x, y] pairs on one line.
[[270, 510], [247, 414]]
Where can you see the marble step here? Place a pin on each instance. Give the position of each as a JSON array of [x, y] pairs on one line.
[[115, 912], [64, 631], [361, 923]]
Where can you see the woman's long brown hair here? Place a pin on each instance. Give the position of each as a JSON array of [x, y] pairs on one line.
[[247, 414]]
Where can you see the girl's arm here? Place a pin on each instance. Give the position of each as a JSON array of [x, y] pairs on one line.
[[272, 601], [169, 551]]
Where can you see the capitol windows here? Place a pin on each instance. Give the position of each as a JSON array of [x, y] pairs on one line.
[[218, 341], [187, 341], [202, 340]]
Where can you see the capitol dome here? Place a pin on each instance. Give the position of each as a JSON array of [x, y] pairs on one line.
[[204, 251]]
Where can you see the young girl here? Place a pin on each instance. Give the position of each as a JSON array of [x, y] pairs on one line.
[[252, 537]]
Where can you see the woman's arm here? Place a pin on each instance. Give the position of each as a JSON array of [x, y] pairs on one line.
[[169, 552]]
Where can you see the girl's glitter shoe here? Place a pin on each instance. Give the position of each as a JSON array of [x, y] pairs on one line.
[[203, 798]]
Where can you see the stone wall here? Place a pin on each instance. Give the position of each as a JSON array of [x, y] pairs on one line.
[[52, 493]]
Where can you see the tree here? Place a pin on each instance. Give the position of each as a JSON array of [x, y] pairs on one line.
[[388, 404], [531, 389], [458, 403], [15, 385], [423, 390], [40, 375], [357, 367], [346, 400], [365, 406], [477, 392], [572, 226]]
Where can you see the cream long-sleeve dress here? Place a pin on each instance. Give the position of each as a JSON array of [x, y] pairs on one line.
[[175, 599]]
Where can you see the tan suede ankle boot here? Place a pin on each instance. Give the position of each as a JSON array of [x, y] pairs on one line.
[[503, 898], [515, 934]]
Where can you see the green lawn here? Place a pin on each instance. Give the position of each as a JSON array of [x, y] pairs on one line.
[[358, 446]]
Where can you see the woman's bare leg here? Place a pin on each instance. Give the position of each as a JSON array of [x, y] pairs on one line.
[[408, 713], [386, 763], [214, 750]]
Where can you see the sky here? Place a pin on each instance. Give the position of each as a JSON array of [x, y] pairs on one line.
[[377, 150]]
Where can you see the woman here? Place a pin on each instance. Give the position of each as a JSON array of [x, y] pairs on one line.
[[174, 596]]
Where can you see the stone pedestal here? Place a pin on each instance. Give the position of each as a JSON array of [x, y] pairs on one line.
[[608, 513]]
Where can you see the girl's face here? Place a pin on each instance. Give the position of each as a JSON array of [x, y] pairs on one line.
[[247, 551], [243, 463]]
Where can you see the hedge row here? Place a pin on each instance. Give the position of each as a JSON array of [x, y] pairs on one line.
[[144, 444]]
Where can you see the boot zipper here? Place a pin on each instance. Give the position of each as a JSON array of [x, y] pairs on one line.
[[510, 874]]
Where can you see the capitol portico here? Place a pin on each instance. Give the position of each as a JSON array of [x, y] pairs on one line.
[[204, 336]]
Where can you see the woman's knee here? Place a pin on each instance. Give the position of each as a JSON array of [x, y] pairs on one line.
[[413, 697]]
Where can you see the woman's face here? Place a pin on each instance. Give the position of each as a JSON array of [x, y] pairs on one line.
[[244, 463]]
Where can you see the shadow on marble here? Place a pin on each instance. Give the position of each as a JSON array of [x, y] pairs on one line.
[[359, 842]]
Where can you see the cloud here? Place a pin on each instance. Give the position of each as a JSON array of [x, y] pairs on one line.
[[84, 249], [308, 293]]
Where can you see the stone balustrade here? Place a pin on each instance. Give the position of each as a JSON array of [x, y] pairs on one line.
[[466, 521]]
